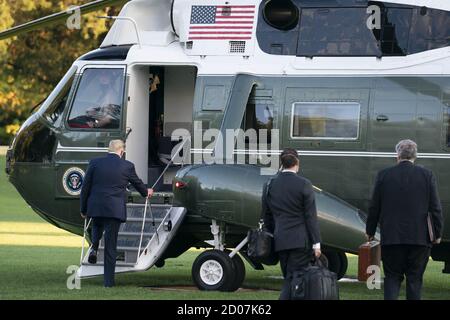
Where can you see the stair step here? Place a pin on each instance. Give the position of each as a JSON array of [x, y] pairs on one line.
[[139, 215], [118, 264], [129, 256], [136, 227], [162, 205], [131, 219], [132, 241], [137, 234], [136, 210], [123, 248]]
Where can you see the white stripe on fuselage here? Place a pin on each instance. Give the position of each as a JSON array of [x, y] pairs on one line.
[[321, 153], [315, 153], [80, 149]]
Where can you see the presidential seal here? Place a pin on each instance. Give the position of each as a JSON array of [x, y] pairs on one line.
[[73, 180]]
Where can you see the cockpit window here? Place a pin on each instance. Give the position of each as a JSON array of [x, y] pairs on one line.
[[99, 99], [56, 107]]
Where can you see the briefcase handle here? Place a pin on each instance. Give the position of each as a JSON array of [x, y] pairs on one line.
[[322, 261]]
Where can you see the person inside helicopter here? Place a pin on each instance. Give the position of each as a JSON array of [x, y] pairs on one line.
[[97, 90]]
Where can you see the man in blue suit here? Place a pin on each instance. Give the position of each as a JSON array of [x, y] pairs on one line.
[[103, 198]]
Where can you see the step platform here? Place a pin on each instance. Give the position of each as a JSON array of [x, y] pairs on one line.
[[137, 250]]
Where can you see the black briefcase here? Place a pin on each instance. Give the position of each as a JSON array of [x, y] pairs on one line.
[[261, 246], [314, 282]]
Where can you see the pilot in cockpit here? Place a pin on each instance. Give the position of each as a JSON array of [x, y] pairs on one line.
[[106, 113], [99, 103]]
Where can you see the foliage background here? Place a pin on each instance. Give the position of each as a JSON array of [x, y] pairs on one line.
[[33, 63]]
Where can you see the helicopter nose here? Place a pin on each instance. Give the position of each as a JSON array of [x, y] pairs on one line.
[[33, 143]]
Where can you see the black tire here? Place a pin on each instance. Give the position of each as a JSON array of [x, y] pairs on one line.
[[239, 272], [160, 263], [334, 262], [214, 260], [344, 264]]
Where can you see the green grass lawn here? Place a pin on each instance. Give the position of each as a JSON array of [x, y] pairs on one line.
[[35, 256]]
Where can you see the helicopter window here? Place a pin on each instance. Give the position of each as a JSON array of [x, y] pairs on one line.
[[336, 32], [259, 116], [56, 107], [347, 31], [394, 33], [325, 120], [99, 98], [430, 31]]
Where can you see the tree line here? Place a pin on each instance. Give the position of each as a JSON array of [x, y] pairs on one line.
[[33, 63]]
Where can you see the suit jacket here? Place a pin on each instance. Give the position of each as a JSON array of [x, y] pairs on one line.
[[402, 198], [104, 188], [289, 212]]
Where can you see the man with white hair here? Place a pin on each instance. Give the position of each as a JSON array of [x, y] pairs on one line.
[[103, 198], [404, 198]]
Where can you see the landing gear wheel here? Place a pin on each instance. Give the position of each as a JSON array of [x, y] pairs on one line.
[[334, 262], [160, 263], [344, 264], [239, 272], [213, 270]]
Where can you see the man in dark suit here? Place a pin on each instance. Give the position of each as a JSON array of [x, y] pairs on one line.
[[103, 198], [289, 211], [403, 197]]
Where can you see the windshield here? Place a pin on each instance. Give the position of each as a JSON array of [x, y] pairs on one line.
[[54, 105], [99, 99]]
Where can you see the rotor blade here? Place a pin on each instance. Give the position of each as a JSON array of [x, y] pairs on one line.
[[85, 8]]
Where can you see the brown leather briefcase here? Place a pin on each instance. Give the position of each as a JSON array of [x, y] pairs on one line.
[[430, 225], [369, 254]]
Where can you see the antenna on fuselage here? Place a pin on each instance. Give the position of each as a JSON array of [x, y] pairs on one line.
[[128, 19]]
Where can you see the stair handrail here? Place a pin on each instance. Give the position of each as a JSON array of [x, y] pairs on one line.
[[170, 162], [147, 199], [86, 226], [142, 229]]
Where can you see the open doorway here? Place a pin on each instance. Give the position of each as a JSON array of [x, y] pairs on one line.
[[171, 98], [160, 100]]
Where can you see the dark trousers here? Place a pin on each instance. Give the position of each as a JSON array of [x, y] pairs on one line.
[[400, 261], [291, 261], [111, 228]]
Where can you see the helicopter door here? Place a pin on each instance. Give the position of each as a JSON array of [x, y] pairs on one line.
[[170, 93], [94, 118]]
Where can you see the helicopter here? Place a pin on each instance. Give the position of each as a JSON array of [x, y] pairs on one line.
[[341, 81]]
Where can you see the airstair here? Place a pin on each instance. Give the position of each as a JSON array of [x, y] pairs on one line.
[[142, 239]]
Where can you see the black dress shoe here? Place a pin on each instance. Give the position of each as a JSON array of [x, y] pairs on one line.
[[92, 256]]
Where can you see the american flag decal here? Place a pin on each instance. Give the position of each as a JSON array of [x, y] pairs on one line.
[[222, 22]]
